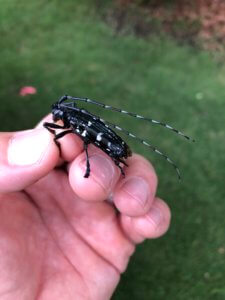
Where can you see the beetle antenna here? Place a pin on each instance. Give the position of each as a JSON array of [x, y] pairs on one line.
[[153, 148], [64, 98]]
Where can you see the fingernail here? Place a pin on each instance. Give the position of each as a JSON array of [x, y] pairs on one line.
[[137, 188], [102, 170], [155, 216], [28, 147]]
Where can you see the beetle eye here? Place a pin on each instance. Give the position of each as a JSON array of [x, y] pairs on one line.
[[56, 114], [55, 118]]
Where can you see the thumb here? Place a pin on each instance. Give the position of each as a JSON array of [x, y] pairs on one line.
[[25, 157]]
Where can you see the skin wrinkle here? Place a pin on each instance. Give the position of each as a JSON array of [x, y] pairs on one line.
[[41, 284], [129, 238], [137, 238], [10, 291], [85, 241], [149, 219], [33, 203], [18, 206], [133, 196], [56, 272], [62, 253], [121, 270], [52, 235], [89, 246], [81, 238], [43, 252], [114, 220]]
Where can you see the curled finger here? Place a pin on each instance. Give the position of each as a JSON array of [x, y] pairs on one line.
[[153, 224]]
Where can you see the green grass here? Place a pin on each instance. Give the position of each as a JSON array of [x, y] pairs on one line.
[[63, 47]]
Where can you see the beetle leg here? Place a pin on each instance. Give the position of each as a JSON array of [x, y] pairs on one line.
[[50, 126], [59, 136], [117, 163], [123, 161], [87, 172]]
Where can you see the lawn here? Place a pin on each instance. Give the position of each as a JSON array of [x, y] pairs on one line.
[[64, 47]]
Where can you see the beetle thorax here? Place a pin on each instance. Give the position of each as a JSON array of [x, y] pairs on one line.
[[58, 113]]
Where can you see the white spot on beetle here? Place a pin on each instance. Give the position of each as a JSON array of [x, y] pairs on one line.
[[89, 123], [145, 143], [99, 136], [109, 144], [157, 151], [168, 126], [84, 133]]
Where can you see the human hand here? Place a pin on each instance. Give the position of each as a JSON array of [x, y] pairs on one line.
[[59, 237]]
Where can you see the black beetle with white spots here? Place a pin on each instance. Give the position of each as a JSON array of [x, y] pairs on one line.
[[94, 130]]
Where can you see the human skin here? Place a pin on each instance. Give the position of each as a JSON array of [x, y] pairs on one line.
[[59, 236]]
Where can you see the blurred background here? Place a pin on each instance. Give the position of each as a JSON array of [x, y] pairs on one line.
[[161, 59]]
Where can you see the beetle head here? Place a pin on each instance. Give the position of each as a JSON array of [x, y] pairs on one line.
[[57, 112]]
